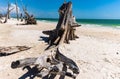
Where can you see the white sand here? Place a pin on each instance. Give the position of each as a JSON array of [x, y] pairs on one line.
[[96, 52]]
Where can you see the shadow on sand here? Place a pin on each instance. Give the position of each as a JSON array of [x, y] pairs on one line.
[[46, 40], [43, 38], [33, 72]]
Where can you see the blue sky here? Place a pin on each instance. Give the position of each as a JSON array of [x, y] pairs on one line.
[[84, 9]]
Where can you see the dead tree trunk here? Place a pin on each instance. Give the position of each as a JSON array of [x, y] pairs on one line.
[[65, 29], [17, 10], [8, 13], [8, 10], [21, 17], [6, 51]]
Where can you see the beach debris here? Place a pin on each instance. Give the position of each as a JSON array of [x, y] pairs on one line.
[[5, 51], [66, 27], [47, 64], [29, 19], [52, 61]]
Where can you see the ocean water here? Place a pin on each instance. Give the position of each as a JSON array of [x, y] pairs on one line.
[[96, 22]]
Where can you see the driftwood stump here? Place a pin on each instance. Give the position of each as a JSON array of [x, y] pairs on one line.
[[65, 29]]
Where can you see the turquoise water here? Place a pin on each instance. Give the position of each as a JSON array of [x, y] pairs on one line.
[[48, 19], [103, 22]]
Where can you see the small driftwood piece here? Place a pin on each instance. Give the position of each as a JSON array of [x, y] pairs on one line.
[[65, 29], [49, 63], [5, 51]]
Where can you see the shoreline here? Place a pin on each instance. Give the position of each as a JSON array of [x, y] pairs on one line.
[[100, 22]]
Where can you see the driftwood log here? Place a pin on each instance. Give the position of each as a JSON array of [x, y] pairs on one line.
[[6, 51], [49, 63], [65, 29]]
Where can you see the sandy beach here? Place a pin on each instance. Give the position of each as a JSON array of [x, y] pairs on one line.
[[96, 52]]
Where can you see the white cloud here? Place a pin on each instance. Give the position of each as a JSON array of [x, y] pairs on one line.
[[4, 9], [14, 6]]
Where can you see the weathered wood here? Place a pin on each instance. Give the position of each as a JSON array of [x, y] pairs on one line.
[[8, 13], [72, 65], [8, 10], [29, 19], [53, 63], [5, 51], [21, 17], [17, 10], [23, 62], [65, 35], [65, 29], [1, 17]]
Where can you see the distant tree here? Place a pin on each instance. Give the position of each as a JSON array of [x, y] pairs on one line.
[[8, 12], [17, 10]]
